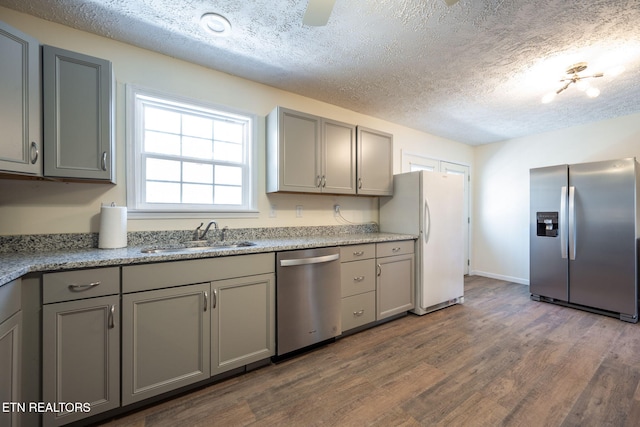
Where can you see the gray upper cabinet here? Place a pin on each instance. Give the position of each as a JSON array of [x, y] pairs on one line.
[[375, 162], [78, 115], [20, 120], [309, 154]]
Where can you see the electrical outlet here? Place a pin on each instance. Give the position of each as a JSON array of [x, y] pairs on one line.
[[272, 212], [336, 209], [299, 211]]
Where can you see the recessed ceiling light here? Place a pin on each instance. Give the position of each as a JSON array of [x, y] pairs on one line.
[[216, 24]]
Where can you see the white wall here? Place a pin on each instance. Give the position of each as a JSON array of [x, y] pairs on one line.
[[501, 231], [33, 207]]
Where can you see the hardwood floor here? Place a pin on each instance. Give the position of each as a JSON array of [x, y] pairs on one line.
[[498, 359]]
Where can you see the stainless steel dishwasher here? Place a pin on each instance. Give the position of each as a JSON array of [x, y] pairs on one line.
[[308, 298]]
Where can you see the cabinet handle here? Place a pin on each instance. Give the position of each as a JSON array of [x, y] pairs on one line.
[[35, 153], [358, 278], [358, 253], [358, 313], [104, 161], [359, 183], [324, 181], [318, 181], [112, 322], [215, 298], [206, 300], [82, 288], [379, 270], [395, 249]]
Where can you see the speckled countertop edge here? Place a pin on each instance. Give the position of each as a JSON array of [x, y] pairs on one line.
[[16, 265]]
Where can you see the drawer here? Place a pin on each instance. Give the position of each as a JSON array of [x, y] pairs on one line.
[[80, 284], [394, 248], [358, 310], [10, 301], [356, 252], [357, 277]]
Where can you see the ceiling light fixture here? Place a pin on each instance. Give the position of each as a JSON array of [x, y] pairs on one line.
[[579, 81], [215, 24]]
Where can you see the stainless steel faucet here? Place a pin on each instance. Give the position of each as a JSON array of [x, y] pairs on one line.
[[197, 235]]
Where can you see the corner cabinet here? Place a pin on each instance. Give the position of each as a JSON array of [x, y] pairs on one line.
[[309, 154], [78, 116], [10, 349], [375, 162], [20, 101], [81, 342]]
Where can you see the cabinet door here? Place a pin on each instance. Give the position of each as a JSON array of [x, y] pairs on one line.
[[395, 292], [293, 152], [338, 157], [20, 120], [375, 162], [165, 340], [10, 367], [78, 115], [243, 321], [81, 356]]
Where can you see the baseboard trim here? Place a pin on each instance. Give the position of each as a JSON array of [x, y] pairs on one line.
[[518, 280]]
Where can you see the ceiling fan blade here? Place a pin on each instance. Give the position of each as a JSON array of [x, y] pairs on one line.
[[318, 12], [451, 2]]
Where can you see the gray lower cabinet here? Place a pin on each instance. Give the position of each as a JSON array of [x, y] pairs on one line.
[[242, 321], [20, 101], [78, 115], [10, 350], [81, 357], [395, 278], [165, 340], [358, 281]]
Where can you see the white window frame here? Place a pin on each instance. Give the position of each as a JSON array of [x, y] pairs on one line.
[[137, 208]]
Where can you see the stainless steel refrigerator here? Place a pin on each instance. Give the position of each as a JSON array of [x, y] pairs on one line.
[[583, 236], [430, 204]]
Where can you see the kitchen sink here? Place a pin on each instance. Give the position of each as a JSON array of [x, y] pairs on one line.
[[187, 249]]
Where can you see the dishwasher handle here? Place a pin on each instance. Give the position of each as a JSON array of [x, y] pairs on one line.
[[307, 261]]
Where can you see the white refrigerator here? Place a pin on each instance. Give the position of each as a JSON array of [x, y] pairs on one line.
[[430, 205]]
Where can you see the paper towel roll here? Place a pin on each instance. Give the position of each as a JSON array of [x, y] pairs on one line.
[[113, 227]]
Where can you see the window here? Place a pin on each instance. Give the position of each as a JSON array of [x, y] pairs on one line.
[[187, 157]]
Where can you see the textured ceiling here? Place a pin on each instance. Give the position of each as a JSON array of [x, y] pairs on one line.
[[474, 72]]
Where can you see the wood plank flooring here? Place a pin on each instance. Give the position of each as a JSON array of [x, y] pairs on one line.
[[499, 359]]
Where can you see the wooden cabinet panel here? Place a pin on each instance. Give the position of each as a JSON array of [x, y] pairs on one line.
[[20, 102], [375, 162], [80, 284], [395, 287], [78, 115], [358, 277], [165, 340], [81, 363], [358, 310], [10, 356]]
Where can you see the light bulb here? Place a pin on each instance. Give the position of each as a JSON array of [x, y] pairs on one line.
[[593, 92], [548, 97], [582, 85]]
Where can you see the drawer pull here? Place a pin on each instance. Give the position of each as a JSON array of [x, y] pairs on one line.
[[379, 268], [358, 253], [112, 323], [82, 288], [358, 278], [395, 249], [215, 298], [206, 300], [358, 313]]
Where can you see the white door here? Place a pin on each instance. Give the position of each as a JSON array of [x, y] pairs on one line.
[[415, 162]]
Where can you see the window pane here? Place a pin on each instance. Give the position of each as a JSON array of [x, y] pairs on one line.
[[196, 147], [229, 175], [162, 192], [227, 152], [197, 126], [228, 131], [197, 172], [163, 170], [197, 194], [162, 120], [228, 195], [162, 143]]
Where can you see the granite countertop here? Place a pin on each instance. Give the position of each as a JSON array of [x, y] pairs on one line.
[[16, 264]]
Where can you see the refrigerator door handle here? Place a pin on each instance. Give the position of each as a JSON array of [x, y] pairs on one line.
[[563, 223], [572, 223], [427, 221]]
